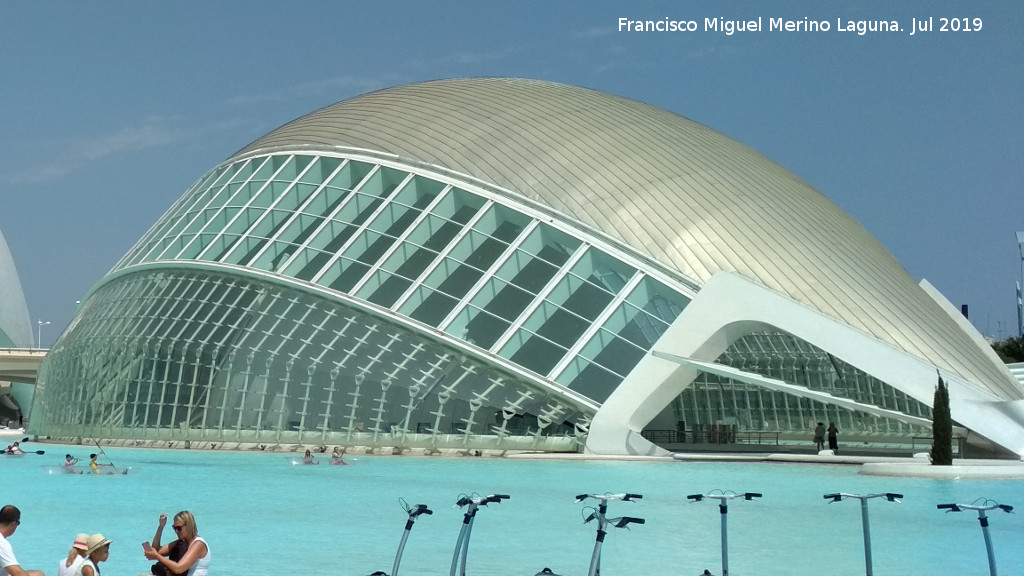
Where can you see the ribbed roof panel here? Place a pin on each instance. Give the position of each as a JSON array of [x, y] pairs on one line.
[[668, 187]]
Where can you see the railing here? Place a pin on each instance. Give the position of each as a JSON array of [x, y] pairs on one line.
[[757, 437], [711, 434], [927, 441]]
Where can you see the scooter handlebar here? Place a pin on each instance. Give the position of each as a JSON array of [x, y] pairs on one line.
[[481, 500], [419, 509], [606, 497]]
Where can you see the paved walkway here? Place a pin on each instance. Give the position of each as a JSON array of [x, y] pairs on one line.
[[917, 467]]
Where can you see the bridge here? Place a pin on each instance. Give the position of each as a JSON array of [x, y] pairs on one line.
[[20, 364]]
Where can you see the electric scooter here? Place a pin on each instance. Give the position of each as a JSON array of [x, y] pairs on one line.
[[414, 512], [462, 544], [603, 522]]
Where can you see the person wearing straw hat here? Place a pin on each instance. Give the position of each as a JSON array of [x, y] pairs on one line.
[[196, 560], [10, 519], [76, 556], [98, 551]]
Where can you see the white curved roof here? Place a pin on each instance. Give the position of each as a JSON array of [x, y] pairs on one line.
[[670, 188], [14, 319]]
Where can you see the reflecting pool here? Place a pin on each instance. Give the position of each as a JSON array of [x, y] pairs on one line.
[[264, 516]]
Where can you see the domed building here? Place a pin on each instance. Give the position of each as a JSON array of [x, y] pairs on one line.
[[15, 333], [506, 264], [15, 326]]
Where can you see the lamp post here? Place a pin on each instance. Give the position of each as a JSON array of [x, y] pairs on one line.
[[723, 509], [1020, 308], [39, 333], [983, 520], [890, 496]]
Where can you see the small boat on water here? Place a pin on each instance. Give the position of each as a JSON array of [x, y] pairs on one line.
[[53, 470]]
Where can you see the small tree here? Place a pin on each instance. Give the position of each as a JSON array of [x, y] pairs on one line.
[[942, 427], [1010, 350]]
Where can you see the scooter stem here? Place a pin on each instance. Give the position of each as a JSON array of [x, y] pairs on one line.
[[414, 512], [460, 543]]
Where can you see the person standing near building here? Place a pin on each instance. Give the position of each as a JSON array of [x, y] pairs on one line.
[[10, 519], [833, 440], [819, 436]]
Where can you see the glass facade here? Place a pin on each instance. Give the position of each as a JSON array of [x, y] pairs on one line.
[[312, 298], [320, 298], [712, 399]]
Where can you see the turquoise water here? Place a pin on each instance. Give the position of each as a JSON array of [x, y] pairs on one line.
[[264, 517]]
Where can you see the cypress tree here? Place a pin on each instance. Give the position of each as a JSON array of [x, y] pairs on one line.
[[942, 427]]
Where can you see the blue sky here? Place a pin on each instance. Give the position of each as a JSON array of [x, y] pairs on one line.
[[112, 109]]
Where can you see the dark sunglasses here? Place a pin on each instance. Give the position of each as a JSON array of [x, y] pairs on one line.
[[177, 528]]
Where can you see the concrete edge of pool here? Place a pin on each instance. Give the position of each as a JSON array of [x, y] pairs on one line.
[[870, 465]]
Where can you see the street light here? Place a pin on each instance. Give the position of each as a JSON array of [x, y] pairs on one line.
[[890, 496], [1020, 310], [723, 509], [39, 333], [982, 519]]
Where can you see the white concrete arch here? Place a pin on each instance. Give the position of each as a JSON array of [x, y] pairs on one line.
[[731, 306]]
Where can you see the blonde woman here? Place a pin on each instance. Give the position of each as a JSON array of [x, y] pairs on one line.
[[98, 551], [76, 556], [196, 560]]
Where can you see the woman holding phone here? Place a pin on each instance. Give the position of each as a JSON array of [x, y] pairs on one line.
[[196, 559], [175, 550]]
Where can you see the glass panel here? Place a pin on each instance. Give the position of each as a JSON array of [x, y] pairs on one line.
[[327, 242], [419, 192], [589, 379], [551, 245], [635, 326], [527, 271], [614, 354], [429, 306], [459, 206], [258, 236], [658, 300], [556, 324], [603, 271], [502, 299], [199, 219], [365, 250], [243, 221], [385, 289], [502, 224], [382, 182], [410, 261], [478, 327], [532, 352]]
